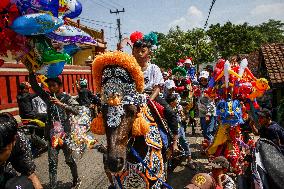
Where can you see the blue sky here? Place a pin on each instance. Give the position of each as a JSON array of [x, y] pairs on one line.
[[161, 15]]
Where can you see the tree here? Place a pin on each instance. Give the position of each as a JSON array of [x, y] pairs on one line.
[[272, 31], [231, 39], [218, 41], [178, 44]]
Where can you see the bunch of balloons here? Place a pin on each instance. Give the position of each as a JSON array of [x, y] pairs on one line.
[[238, 81], [28, 28], [235, 89]]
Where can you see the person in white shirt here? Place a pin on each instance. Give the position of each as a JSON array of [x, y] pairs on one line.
[[153, 77]]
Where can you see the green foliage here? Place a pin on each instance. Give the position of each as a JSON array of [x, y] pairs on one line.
[[272, 31], [218, 41], [178, 44]]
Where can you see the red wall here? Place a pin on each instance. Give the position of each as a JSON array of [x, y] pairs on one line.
[[11, 75]]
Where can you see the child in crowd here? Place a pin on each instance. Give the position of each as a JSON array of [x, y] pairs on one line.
[[173, 102], [216, 179], [153, 78], [60, 106], [188, 107], [207, 108], [220, 166]]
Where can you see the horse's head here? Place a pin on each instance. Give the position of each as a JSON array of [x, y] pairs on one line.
[[119, 79]]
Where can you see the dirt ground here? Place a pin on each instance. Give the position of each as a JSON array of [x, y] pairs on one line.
[[90, 167]]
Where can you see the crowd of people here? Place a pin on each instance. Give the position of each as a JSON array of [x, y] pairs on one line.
[[188, 97]]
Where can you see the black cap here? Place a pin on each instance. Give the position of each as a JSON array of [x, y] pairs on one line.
[[55, 79], [22, 182], [220, 162], [210, 68], [24, 85], [264, 113]]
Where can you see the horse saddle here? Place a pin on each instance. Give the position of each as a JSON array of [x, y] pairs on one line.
[[157, 107]]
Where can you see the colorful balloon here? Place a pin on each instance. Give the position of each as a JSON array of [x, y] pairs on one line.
[[259, 87], [52, 70], [36, 24], [230, 112], [51, 56], [71, 34], [43, 53], [71, 49], [37, 6], [74, 9]]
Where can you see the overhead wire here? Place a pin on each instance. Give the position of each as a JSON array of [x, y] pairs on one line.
[[101, 25], [95, 20], [100, 4], [115, 3], [90, 21], [210, 9], [107, 3]]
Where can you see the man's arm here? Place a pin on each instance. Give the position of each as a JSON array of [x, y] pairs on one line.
[[155, 93], [37, 89], [69, 106], [255, 131], [35, 181]]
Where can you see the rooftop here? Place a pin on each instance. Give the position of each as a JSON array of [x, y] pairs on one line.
[[273, 56]]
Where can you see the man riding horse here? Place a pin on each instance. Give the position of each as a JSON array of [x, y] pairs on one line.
[[153, 78]]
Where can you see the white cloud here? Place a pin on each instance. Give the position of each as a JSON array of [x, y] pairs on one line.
[[193, 18], [276, 9]]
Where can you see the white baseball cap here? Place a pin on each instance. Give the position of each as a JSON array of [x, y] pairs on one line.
[[204, 74], [170, 84]]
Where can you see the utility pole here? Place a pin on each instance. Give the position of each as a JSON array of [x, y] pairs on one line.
[[118, 23]]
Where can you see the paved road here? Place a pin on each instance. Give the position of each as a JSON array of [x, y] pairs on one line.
[[91, 171]]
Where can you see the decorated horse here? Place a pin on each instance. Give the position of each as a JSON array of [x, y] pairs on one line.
[[134, 144]]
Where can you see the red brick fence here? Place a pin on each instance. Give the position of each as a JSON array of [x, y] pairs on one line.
[[11, 75]]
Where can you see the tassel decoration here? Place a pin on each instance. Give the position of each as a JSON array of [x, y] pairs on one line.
[[97, 125], [140, 126]]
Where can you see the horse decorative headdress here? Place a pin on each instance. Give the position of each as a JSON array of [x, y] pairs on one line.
[[118, 77]]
